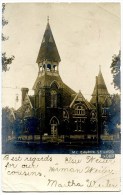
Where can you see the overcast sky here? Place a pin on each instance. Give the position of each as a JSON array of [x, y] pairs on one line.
[[86, 35]]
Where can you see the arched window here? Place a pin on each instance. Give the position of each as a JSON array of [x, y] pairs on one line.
[[54, 85], [54, 67], [65, 114], [48, 67], [79, 110], [54, 126], [53, 99]]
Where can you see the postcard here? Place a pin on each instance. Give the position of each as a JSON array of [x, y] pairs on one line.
[[61, 127]]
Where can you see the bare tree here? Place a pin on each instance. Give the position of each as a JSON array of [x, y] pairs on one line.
[[6, 61]]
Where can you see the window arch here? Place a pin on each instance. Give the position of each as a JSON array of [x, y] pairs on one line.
[[54, 120], [79, 110], [54, 126], [48, 67], [54, 67], [54, 84], [53, 99]]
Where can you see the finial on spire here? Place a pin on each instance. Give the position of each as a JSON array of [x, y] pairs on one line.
[[99, 67], [47, 19]]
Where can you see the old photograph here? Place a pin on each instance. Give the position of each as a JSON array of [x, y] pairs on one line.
[[61, 77], [61, 85]]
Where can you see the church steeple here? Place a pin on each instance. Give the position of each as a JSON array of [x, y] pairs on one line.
[[48, 56], [101, 87]]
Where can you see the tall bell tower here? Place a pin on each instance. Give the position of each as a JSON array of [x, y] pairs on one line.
[[48, 87], [48, 61]]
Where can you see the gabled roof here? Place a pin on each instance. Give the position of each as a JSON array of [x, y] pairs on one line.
[[48, 50], [80, 98], [100, 89]]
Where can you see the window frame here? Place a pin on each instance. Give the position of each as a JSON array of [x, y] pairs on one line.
[[79, 111]]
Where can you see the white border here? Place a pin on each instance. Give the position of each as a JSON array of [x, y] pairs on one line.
[[61, 1], [81, 1]]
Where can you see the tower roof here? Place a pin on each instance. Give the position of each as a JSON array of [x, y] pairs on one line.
[[48, 50], [102, 89]]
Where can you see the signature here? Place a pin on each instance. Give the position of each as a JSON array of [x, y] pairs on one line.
[[88, 183]]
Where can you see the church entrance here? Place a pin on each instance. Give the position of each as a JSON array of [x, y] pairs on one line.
[[54, 126], [54, 130]]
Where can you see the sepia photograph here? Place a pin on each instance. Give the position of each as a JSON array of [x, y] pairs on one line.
[[61, 77], [61, 91]]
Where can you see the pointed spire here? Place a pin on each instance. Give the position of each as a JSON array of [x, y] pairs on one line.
[[99, 68], [48, 50], [48, 19], [102, 89]]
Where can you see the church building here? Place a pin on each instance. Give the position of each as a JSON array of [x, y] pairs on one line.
[[60, 112]]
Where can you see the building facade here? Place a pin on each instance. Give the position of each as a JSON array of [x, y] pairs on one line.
[[55, 110]]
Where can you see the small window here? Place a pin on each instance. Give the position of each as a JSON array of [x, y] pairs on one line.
[[105, 111]]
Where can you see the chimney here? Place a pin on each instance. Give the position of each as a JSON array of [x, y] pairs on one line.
[[24, 92]]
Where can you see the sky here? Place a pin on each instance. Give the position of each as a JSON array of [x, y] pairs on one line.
[[87, 35]]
